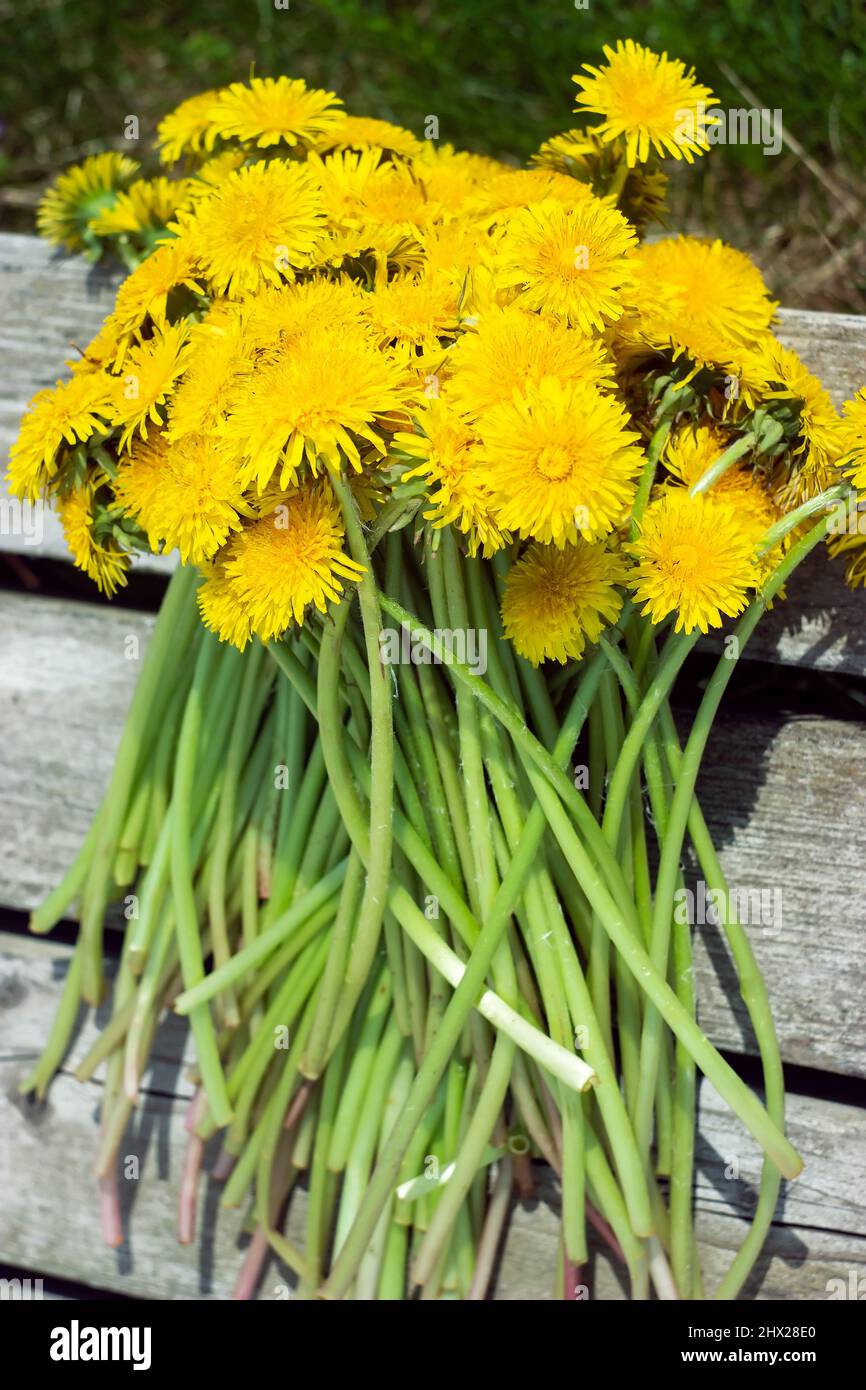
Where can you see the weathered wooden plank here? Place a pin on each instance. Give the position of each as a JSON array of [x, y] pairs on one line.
[[787, 815], [833, 346], [820, 625], [66, 677], [49, 1220]]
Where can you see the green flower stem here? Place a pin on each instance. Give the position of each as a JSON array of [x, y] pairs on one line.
[[127, 858], [674, 654], [392, 1279], [556, 1058], [659, 993], [431, 777], [378, 858], [609, 1200], [273, 1127], [256, 1160], [371, 1270], [657, 442], [293, 832], [188, 939], [52, 909], [546, 921], [162, 958], [531, 1115], [788, 523], [313, 1061], [144, 711], [720, 466], [669, 862], [320, 1179], [243, 730], [485, 1113], [248, 957], [376, 1016], [438, 603], [754, 994], [469, 983], [62, 1028], [244, 1081], [361, 1150], [290, 809], [531, 750], [266, 976], [163, 763]]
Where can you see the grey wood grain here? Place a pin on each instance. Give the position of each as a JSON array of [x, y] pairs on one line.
[[66, 680], [49, 1218]]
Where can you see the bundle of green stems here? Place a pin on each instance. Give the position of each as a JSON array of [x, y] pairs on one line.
[[412, 916]]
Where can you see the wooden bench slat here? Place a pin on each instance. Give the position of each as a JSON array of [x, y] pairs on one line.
[[65, 682], [49, 1219]]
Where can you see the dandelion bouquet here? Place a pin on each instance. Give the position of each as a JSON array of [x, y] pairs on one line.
[[457, 468]]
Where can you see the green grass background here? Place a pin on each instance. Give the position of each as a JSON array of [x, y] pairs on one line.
[[496, 73]]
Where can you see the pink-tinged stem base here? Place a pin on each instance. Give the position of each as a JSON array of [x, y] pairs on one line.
[[251, 1269], [109, 1209], [572, 1280]]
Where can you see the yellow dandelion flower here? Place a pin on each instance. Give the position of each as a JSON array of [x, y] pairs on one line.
[[560, 460], [349, 181], [221, 608], [68, 413], [275, 319], [260, 225], [649, 101], [284, 563], [146, 206], [852, 546], [511, 348], [449, 459], [571, 264], [683, 285], [411, 315], [690, 451], [188, 129], [556, 600], [144, 294], [366, 132], [150, 372], [452, 178], [821, 440], [573, 152], [183, 493], [79, 195], [854, 437], [371, 206], [514, 189], [455, 248], [218, 356], [105, 564], [314, 403], [101, 351], [695, 559], [213, 173], [400, 200], [275, 111]]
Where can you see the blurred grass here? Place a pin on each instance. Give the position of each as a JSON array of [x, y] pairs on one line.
[[497, 76]]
